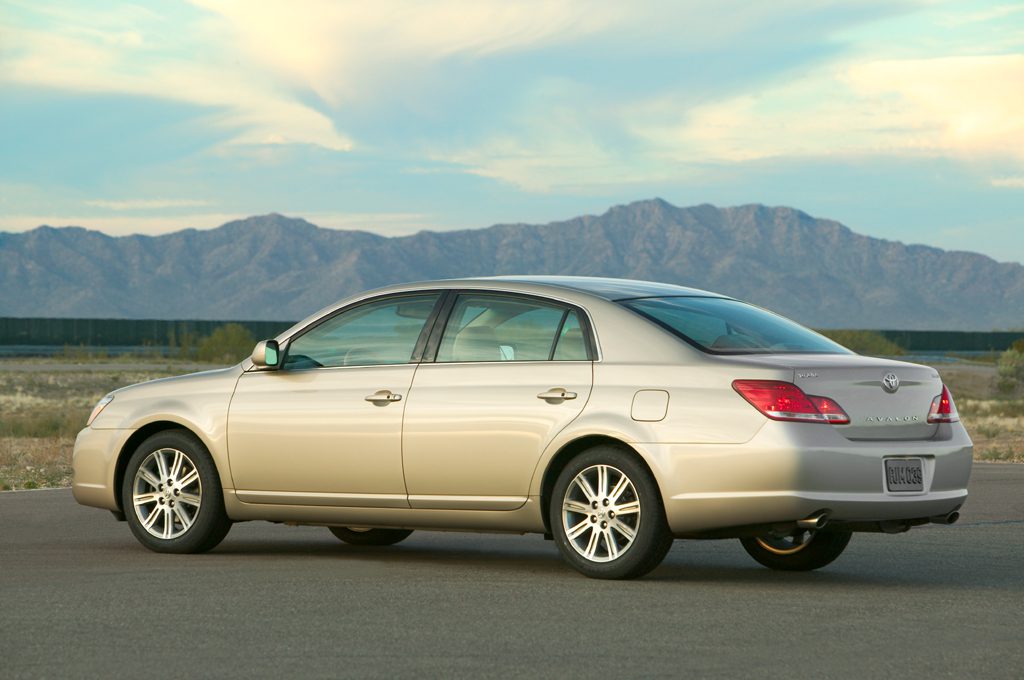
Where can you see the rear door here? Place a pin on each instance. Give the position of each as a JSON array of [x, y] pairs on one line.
[[510, 372]]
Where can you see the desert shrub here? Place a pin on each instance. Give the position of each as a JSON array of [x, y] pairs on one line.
[[48, 422], [1010, 369], [865, 342], [228, 344], [183, 345], [80, 353]]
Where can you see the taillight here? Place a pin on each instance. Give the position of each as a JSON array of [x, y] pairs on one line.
[[780, 400], [832, 411], [943, 409]]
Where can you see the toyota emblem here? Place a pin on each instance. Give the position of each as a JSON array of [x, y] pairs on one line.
[[891, 382]]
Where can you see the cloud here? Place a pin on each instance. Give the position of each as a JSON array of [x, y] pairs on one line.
[[387, 224], [146, 204], [982, 16], [962, 106], [347, 52], [118, 225], [165, 58], [967, 105], [1008, 182]]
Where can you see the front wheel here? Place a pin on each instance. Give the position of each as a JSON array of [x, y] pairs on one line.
[[363, 536], [171, 495], [606, 515], [799, 551]]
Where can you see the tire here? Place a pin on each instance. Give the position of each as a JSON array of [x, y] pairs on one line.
[[596, 541], [370, 536], [802, 551], [186, 516]]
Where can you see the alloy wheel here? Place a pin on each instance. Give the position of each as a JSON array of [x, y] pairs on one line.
[[601, 513], [167, 493]]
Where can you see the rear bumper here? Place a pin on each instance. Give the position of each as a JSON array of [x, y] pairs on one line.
[[790, 471]]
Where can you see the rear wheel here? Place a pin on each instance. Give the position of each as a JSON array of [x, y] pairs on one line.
[[799, 551], [606, 515], [172, 497], [364, 536]]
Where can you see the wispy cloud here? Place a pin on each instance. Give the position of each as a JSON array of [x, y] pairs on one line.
[[951, 105], [1008, 182], [349, 51], [90, 51], [388, 224], [147, 203]]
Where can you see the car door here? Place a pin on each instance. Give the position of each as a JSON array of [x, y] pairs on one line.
[[325, 429], [509, 373]]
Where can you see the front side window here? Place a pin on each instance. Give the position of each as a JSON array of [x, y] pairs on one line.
[[724, 326], [377, 333], [498, 328]]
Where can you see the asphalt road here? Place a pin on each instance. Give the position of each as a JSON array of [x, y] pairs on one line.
[[79, 597]]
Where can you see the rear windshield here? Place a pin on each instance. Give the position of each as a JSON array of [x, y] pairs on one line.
[[723, 326]]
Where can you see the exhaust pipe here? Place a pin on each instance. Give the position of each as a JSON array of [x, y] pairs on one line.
[[813, 522], [951, 518]]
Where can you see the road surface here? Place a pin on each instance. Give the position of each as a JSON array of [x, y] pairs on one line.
[[80, 598]]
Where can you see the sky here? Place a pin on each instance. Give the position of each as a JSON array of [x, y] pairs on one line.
[[903, 120]]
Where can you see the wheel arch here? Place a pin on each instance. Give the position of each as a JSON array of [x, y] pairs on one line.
[[135, 440], [569, 451]]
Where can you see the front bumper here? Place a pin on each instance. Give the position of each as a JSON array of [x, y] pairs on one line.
[[94, 463], [790, 471]]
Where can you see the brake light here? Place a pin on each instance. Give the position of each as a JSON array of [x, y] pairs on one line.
[[943, 409], [832, 411], [780, 400]]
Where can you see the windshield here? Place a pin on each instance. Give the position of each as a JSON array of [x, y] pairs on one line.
[[723, 326]]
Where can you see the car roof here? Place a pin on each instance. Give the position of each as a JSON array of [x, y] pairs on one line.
[[607, 288]]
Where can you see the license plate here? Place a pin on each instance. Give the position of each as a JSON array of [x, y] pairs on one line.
[[904, 474]]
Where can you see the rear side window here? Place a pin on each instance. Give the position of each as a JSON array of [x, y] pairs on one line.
[[724, 326], [572, 344], [377, 333], [500, 328]]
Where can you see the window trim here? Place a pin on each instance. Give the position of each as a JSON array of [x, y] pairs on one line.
[[558, 335], [421, 341], [441, 322]]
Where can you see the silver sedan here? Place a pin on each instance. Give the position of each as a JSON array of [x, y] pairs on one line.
[[609, 415]]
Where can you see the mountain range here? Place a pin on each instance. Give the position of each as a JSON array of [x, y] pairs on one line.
[[273, 267]]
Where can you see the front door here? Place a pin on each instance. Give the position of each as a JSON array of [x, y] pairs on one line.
[[510, 373], [326, 428]]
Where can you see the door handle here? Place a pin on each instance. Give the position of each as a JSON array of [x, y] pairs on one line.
[[383, 397], [557, 394]]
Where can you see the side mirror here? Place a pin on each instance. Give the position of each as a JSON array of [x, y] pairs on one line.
[[266, 354]]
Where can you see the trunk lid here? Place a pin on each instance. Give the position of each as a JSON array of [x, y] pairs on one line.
[[864, 388]]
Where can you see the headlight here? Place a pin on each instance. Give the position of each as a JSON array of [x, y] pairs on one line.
[[99, 407]]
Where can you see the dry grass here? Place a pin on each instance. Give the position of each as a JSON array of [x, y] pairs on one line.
[[35, 462], [995, 423], [997, 428], [42, 408]]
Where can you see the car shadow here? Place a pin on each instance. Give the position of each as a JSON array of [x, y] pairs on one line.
[[721, 567]]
